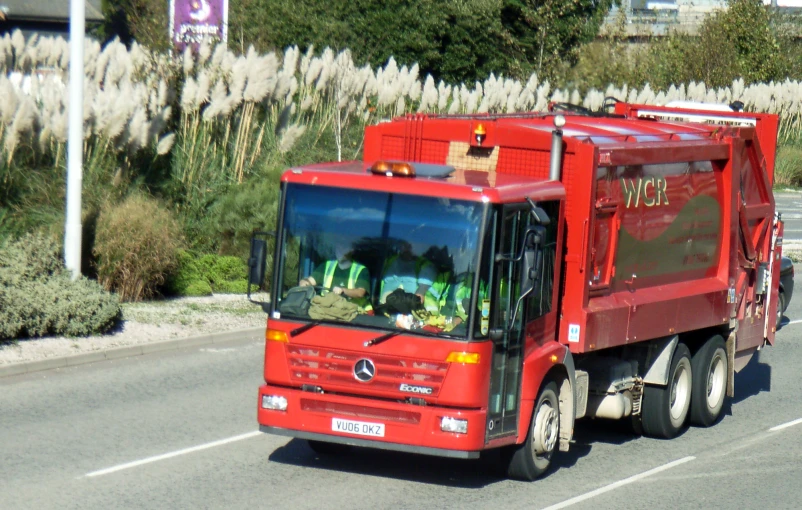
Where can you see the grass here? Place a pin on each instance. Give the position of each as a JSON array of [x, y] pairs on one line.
[[788, 170]]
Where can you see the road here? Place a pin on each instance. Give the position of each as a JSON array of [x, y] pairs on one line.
[[789, 203], [178, 430]]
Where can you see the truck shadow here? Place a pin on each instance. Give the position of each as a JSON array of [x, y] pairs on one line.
[[459, 473], [754, 378], [469, 474], [588, 432]]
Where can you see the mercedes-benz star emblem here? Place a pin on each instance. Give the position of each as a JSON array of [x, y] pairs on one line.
[[364, 370]]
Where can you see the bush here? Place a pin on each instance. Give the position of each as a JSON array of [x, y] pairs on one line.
[[197, 288], [788, 171], [207, 274], [38, 297], [136, 245]]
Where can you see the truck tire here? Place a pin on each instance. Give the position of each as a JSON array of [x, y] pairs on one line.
[[780, 307], [326, 448], [532, 458], [709, 368], [665, 408]]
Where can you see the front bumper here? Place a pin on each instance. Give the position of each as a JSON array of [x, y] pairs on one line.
[[407, 427]]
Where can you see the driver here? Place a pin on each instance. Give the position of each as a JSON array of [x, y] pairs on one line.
[[342, 276]]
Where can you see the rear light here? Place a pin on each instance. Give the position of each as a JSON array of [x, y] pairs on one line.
[[449, 424], [469, 358], [274, 402], [274, 335]]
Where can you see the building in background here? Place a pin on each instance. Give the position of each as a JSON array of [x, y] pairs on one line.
[[45, 17], [655, 18]]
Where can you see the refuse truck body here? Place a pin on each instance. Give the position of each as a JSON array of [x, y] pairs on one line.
[[619, 265]]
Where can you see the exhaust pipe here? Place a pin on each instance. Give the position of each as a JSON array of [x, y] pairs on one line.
[[556, 148]]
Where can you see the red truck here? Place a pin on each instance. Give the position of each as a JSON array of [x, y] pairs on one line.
[[618, 265]]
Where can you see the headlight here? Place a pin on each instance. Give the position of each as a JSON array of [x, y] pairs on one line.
[[449, 424], [274, 402]]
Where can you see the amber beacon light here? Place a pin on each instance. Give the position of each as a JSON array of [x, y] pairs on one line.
[[392, 169], [479, 134]]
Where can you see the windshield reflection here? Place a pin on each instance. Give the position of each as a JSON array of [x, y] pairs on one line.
[[381, 260]]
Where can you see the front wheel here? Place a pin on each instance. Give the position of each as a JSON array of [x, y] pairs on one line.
[[780, 308], [533, 458], [709, 367], [665, 408]]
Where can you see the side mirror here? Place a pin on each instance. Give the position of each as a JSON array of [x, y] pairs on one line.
[[257, 264], [538, 213], [531, 259]]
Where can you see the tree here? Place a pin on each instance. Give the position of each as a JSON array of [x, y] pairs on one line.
[[145, 21], [548, 33], [738, 42]]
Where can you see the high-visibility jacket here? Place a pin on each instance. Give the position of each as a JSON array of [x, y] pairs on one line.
[[353, 276], [463, 291], [436, 296], [420, 263]]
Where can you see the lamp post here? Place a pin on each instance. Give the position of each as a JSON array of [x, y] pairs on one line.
[[72, 235]]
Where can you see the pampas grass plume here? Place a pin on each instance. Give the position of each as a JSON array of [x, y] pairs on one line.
[[290, 137], [165, 144]]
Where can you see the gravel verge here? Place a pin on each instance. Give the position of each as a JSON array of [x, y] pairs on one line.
[[147, 322]]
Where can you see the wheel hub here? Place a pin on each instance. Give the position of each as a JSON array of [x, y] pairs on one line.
[[546, 429], [715, 382], [680, 392]]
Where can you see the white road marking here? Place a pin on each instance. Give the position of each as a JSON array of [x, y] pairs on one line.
[[786, 425], [618, 484], [793, 322], [164, 456]]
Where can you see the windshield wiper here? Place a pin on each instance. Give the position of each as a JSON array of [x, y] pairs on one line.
[[380, 339], [305, 327]]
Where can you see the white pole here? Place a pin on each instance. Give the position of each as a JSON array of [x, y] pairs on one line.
[[72, 236]]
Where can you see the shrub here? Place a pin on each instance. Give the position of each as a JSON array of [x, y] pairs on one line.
[[201, 276], [232, 287], [219, 269], [788, 171], [198, 288], [38, 297], [186, 274], [137, 245]]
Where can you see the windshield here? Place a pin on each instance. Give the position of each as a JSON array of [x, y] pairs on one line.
[[391, 261]]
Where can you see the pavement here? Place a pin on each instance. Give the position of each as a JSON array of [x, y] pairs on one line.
[[130, 350]]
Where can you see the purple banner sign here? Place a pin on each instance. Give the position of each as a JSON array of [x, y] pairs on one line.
[[193, 21]]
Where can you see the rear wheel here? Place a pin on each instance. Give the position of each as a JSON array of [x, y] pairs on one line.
[[532, 458], [665, 408], [780, 308], [709, 367]]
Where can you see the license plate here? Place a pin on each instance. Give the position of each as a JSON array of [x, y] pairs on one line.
[[360, 428]]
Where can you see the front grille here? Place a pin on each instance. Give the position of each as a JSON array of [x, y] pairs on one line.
[[357, 411], [332, 369]]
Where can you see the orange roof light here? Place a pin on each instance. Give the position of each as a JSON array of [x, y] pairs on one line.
[[479, 133], [393, 169]]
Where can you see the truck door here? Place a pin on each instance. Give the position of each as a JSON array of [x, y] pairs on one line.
[[507, 324]]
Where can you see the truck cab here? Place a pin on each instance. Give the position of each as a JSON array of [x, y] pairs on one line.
[[449, 389]]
